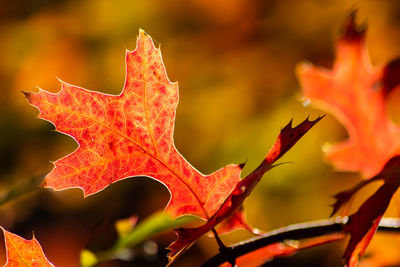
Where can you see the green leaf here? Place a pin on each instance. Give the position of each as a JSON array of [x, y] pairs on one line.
[[157, 223]]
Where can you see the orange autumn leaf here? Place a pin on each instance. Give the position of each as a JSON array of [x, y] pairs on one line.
[[355, 93], [21, 252], [130, 134]]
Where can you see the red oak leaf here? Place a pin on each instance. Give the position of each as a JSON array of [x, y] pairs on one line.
[[130, 135], [22, 252], [362, 225], [355, 93], [286, 139]]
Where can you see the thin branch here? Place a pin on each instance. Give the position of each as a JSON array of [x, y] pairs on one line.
[[219, 241], [222, 248], [21, 189], [293, 232]]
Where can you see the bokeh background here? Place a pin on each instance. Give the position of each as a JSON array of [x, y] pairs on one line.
[[234, 61]]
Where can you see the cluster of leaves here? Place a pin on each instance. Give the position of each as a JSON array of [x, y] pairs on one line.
[[131, 135], [356, 93]]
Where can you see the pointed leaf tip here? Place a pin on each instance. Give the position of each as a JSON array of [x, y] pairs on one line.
[[19, 251], [27, 95], [352, 31], [391, 76], [241, 165], [141, 33], [290, 123], [43, 184], [288, 137]]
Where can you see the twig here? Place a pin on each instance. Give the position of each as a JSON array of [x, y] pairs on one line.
[[21, 189], [224, 249], [294, 232]]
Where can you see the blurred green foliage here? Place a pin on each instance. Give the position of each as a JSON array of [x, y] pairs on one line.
[[133, 236]]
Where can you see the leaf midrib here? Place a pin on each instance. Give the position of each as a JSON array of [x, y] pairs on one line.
[[19, 254], [136, 144]]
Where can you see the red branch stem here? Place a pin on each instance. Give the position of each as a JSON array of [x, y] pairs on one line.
[[292, 232]]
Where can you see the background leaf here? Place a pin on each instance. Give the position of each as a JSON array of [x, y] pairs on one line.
[[234, 61]]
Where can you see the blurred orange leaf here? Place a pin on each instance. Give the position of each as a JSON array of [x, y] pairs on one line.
[[355, 93]]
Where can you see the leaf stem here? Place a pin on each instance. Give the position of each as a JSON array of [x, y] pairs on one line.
[[293, 232]]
